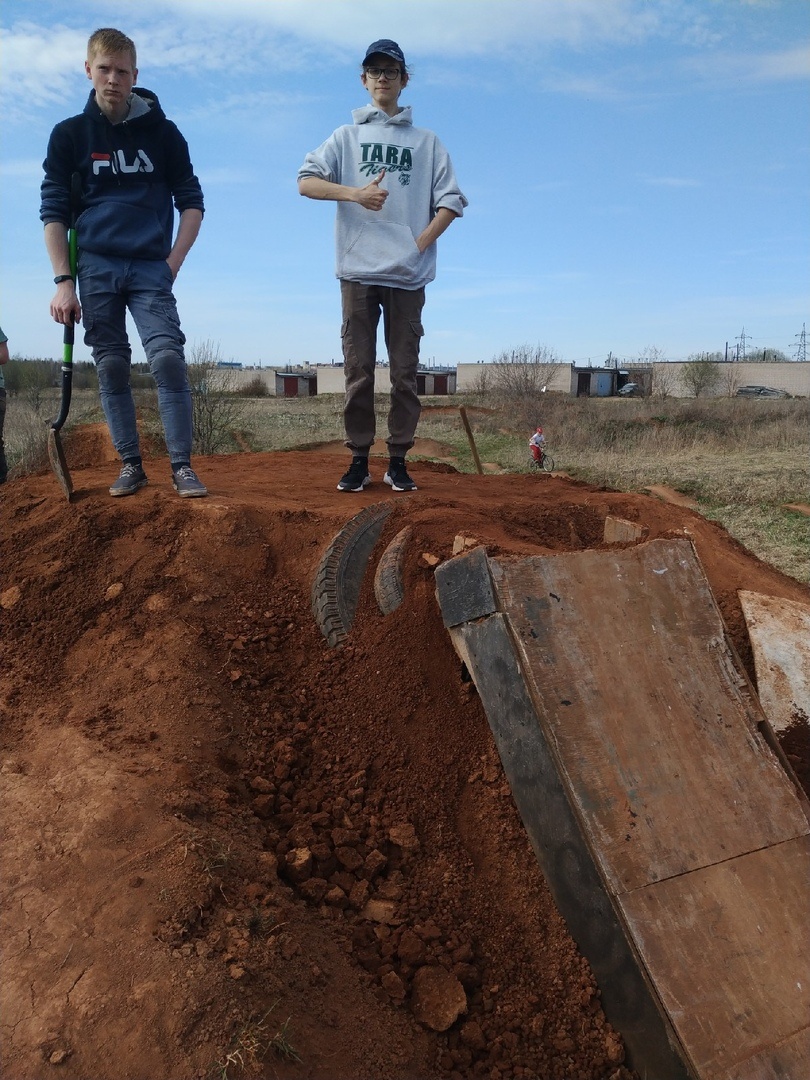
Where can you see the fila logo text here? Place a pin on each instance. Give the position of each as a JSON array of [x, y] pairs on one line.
[[118, 163]]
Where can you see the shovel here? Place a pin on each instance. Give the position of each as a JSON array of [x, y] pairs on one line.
[[56, 451]]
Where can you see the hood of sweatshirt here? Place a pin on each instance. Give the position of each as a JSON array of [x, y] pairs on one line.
[[145, 110], [370, 114]]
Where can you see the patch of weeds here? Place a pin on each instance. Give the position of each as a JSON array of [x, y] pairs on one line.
[[258, 923], [280, 1044], [252, 1044], [214, 855], [217, 856]]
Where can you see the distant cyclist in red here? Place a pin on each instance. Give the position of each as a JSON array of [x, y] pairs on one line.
[[536, 445]]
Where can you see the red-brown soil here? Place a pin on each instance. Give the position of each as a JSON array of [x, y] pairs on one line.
[[177, 736]]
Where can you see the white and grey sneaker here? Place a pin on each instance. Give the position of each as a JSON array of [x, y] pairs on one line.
[[130, 480], [187, 484]]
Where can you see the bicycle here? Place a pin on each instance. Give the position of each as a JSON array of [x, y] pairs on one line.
[[545, 462]]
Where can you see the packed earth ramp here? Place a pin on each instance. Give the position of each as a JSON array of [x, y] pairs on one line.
[[233, 849]]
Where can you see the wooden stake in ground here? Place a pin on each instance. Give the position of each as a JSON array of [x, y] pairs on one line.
[[468, 429]]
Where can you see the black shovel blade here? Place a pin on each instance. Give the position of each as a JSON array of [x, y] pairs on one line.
[[56, 453]]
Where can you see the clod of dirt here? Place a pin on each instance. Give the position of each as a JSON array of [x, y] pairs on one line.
[[438, 998]]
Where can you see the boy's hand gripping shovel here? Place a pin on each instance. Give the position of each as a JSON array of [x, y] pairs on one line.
[[56, 451]]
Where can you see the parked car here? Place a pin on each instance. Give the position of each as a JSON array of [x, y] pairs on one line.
[[630, 389], [761, 391]]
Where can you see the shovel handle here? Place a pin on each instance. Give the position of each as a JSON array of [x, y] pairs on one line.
[[69, 332]]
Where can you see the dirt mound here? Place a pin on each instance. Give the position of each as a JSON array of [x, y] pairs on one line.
[[229, 845]]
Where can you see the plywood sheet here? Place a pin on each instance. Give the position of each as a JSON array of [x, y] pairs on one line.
[[555, 832], [655, 729], [779, 630], [674, 842], [728, 950], [620, 531]]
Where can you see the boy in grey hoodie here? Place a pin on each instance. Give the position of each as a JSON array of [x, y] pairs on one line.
[[386, 251]]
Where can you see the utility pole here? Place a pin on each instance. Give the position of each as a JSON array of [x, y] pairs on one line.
[[801, 348], [742, 339]]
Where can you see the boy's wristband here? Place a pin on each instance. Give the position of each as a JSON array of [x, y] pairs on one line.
[[62, 277]]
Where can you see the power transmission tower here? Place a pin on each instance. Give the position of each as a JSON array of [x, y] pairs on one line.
[[801, 348], [742, 340]]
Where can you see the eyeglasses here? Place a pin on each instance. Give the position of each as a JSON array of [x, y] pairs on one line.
[[392, 74]]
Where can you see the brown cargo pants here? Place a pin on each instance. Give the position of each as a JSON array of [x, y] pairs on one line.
[[402, 325]]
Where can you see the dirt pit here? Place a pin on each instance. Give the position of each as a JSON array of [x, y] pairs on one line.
[[231, 850]]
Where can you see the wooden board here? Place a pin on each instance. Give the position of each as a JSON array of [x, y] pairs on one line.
[[657, 810], [620, 531], [728, 949], [656, 729], [779, 630]]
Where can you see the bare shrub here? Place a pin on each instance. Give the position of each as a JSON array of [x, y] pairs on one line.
[[522, 372], [36, 379], [481, 385], [664, 381], [217, 410], [729, 379], [700, 375], [256, 387]]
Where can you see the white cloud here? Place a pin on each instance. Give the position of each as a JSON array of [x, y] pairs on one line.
[[790, 64], [22, 169], [745, 68], [41, 65], [445, 27], [670, 181]]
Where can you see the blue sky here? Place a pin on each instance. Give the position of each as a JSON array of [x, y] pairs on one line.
[[638, 170]]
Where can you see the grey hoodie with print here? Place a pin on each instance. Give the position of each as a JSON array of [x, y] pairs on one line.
[[379, 247]]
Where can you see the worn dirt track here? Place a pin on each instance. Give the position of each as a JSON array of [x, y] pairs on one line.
[[177, 736]]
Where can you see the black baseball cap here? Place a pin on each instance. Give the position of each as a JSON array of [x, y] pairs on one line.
[[385, 47]]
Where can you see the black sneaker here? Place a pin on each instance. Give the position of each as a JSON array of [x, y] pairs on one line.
[[131, 478], [187, 484], [397, 475], [356, 477]]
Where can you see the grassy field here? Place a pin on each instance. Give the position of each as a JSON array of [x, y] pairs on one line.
[[741, 460]]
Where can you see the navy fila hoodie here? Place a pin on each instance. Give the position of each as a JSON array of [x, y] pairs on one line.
[[132, 174]]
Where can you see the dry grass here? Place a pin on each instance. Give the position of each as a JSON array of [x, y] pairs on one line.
[[740, 460]]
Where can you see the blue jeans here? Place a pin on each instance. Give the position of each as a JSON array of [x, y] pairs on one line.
[[108, 285]]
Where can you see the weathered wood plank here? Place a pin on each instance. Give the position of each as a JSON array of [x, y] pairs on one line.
[[779, 630], [674, 843], [728, 949], [486, 647], [655, 728], [788, 1061], [621, 531]]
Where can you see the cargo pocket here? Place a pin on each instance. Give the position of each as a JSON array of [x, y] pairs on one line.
[[163, 308]]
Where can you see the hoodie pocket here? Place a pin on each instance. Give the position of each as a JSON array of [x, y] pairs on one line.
[[381, 249], [116, 228]]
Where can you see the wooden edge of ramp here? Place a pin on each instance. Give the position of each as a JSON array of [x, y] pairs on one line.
[[674, 843], [482, 639]]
